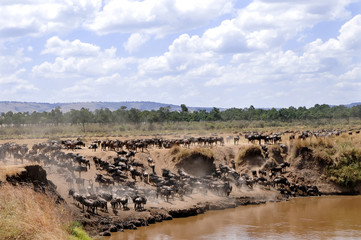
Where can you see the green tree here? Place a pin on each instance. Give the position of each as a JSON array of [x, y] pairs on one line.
[[56, 116], [356, 111], [134, 115], [103, 116], [163, 114], [120, 115], [8, 117], [184, 108], [184, 113], [214, 114], [85, 116]]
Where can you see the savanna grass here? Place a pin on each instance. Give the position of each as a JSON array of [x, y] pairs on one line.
[[184, 153], [28, 215]]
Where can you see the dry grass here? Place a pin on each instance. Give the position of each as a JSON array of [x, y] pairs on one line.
[[10, 171], [183, 153], [318, 145], [297, 146], [251, 154], [251, 150], [174, 150], [25, 214]]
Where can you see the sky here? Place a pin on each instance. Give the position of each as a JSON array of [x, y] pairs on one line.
[[204, 53]]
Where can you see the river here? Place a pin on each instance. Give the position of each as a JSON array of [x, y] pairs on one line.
[[329, 217]]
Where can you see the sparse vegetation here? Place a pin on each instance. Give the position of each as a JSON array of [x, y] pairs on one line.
[[27, 215], [183, 153], [10, 171], [249, 153]]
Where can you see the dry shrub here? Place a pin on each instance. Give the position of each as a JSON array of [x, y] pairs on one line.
[[322, 157], [25, 214], [10, 170], [250, 151], [324, 150], [323, 142], [183, 153], [251, 155], [298, 146]]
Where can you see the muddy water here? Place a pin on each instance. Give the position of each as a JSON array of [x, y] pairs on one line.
[[336, 217]]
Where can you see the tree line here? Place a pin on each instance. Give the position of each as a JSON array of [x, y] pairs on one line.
[[164, 114]]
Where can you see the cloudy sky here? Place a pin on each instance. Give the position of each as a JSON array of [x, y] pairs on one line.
[[223, 53]]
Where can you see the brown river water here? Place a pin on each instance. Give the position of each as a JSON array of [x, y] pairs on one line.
[[329, 217]]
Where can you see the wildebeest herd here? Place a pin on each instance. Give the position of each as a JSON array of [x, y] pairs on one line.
[[142, 144], [124, 179]]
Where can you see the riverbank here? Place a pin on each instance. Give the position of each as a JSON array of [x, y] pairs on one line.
[[34, 177], [162, 211], [108, 225], [308, 160]]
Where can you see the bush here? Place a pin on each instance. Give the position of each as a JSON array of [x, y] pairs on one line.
[[346, 169], [77, 232]]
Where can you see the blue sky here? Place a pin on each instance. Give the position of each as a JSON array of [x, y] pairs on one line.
[[223, 53]]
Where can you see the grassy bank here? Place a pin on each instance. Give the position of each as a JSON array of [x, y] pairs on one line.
[[339, 158], [25, 214]]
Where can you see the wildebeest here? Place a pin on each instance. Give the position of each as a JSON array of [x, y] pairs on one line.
[[139, 202]]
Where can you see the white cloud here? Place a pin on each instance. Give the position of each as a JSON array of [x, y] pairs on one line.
[[135, 41], [33, 17], [66, 48], [14, 85], [265, 52], [10, 62], [268, 24], [158, 17], [352, 75], [350, 34], [183, 55], [78, 59]]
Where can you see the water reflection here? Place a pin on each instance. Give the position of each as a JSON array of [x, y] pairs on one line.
[[336, 217]]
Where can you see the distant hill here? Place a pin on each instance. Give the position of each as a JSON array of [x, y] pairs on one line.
[[353, 104], [30, 107]]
